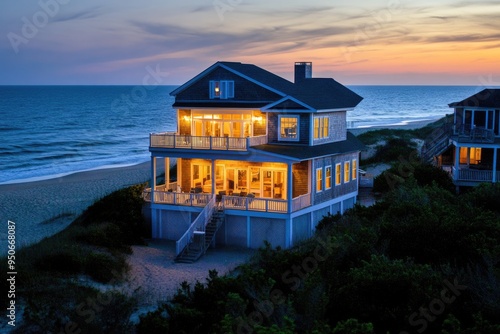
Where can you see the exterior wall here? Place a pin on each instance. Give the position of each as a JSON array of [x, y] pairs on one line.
[[259, 127], [249, 229], [303, 127], [336, 190], [262, 229], [337, 124], [301, 228], [300, 179], [243, 89], [234, 231], [186, 174], [184, 125], [171, 224]]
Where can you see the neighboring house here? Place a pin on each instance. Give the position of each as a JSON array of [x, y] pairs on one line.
[[468, 148], [258, 158]]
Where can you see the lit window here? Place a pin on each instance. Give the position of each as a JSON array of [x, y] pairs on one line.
[[337, 174], [319, 179], [347, 171], [328, 177], [354, 169], [223, 89], [321, 127], [288, 126]]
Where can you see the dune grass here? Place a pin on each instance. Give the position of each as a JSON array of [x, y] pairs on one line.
[[92, 249]]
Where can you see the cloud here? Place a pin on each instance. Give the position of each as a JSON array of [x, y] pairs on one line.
[[80, 15], [474, 38]]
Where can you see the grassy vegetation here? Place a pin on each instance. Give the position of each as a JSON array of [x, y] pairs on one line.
[[372, 137], [422, 259], [93, 247]]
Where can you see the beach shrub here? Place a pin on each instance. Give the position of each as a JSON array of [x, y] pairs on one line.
[[106, 235], [412, 173], [122, 208], [104, 268]]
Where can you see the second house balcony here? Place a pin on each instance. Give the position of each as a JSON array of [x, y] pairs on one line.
[[174, 140]]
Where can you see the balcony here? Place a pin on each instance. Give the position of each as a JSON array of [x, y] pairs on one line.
[[229, 202], [472, 174], [177, 141], [466, 134]]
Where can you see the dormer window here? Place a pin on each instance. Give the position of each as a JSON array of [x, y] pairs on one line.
[[223, 89]]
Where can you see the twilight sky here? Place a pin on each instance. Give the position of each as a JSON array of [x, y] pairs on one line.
[[442, 42]]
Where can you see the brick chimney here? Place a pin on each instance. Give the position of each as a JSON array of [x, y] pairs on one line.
[[303, 70]]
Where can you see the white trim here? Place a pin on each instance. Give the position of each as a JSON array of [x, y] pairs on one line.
[[251, 79], [340, 174], [326, 186], [297, 130], [325, 204], [347, 171], [320, 169], [311, 129], [334, 110], [288, 97], [354, 175]]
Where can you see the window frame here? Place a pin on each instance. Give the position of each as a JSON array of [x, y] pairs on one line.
[[297, 136], [338, 174], [328, 178], [226, 89], [319, 180], [354, 167], [347, 171], [321, 127]]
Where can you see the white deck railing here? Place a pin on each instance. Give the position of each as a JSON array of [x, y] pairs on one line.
[[229, 202], [255, 204], [174, 198], [467, 174], [301, 202], [171, 140], [197, 225]]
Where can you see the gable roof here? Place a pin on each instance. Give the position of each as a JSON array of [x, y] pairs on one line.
[[325, 93], [311, 94], [351, 144], [487, 98]]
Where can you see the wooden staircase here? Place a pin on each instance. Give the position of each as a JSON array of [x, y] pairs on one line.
[[436, 143], [202, 240]]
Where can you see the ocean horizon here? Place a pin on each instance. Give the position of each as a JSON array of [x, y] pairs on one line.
[[51, 131]]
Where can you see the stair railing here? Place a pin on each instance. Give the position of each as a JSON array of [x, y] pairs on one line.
[[197, 225]]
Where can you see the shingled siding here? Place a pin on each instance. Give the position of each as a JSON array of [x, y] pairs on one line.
[[184, 121], [337, 128], [259, 127], [186, 174], [272, 128], [300, 178], [335, 191], [244, 90]]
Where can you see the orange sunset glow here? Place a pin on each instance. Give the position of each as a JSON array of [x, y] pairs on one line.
[[362, 42]]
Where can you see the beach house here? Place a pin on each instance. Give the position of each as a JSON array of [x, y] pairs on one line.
[[258, 158], [468, 147]]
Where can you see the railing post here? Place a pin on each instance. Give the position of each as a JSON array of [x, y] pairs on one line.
[[247, 143]]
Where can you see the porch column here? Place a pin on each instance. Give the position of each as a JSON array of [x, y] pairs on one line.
[[153, 178], [457, 162], [289, 188], [495, 157], [167, 174], [213, 176]]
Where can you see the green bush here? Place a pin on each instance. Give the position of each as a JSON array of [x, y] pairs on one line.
[[104, 268]]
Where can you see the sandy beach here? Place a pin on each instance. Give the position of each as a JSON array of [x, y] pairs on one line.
[[405, 126], [43, 208]]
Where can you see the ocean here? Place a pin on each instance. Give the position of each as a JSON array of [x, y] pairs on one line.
[[50, 131]]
